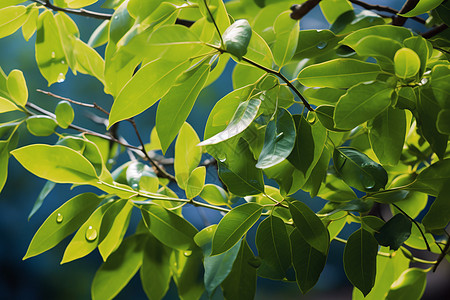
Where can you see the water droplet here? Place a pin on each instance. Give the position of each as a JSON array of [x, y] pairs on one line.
[[53, 54], [59, 218], [116, 17], [424, 81], [222, 157], [321, 45], [91, 234], [187, 253], [279, 136], [368, 183], [63, 62], [61, 78]]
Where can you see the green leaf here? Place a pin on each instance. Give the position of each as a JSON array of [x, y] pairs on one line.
[[360, 254], [62, 222], [309, 145], [427, 115], [325, 114], [286, 38], [241, 282], [214, 194], [332, 9], [274, 248], [422, 7], [50, 55], [68, 32], [187, 270], [278, 141], [237, 37], [394, 232], [155, 271], [6, 105], [64, 114], [432, 179], [387, 135], [56, 163], [114, 225], [442, 123], [6, 3], [217, 267], [17, 87], [438, 215], [242, 118], [308, 262], [195, 182], [88, 235], [338, 73], [138, 95], [410, 285], [422, 48], [237, 170], [440, 85], [396, 33], [173, 43], [118, 270], [11, 19], [169, 228], [89, 61], [358, 170], [361, 103], [319, 96], [407, 63], [336, 190], [310, 226], [100, 35], [187, 154], [312, 43], [176, 105], [318, 173], [234, 225], [48, 187], [41, 125]]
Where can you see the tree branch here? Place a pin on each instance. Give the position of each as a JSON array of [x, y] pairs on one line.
[[79, 12], [300, 10], [434, 31], [399, 20], [383, 8]]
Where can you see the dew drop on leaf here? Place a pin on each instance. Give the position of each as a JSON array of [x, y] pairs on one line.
[[61, 78], [53, 54], [59, 218], [63, 62], [321, 45], [279, 136], [187, 253], [91, 234], [368, 183], [222, 158]]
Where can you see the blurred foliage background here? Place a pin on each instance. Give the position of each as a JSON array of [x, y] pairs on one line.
[[43, 277]]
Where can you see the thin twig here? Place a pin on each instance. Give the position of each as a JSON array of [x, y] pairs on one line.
[[214, 22], [282, 77], [442, 255], [79, 12], [399, 20], [434, 31], [415, 223]]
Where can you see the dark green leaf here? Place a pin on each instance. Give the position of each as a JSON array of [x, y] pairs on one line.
[[168, 227], [432, 179], [155, 271], [118, 270], [361, 103], [312, 43], [274, 249], [438, 216], [48, 187], [241, 282], [310, 226], [358, 170], [187, 270], [308, 262], [278, 141], [360, 255], [394, 232], [234, 225]]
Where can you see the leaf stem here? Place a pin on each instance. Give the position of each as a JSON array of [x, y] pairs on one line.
[[80, 12], [214, 22], [415, 223]]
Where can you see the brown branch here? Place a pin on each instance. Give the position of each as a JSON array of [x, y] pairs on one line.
[[434, 31], [383, 8], [399, 20], [300, 10]]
